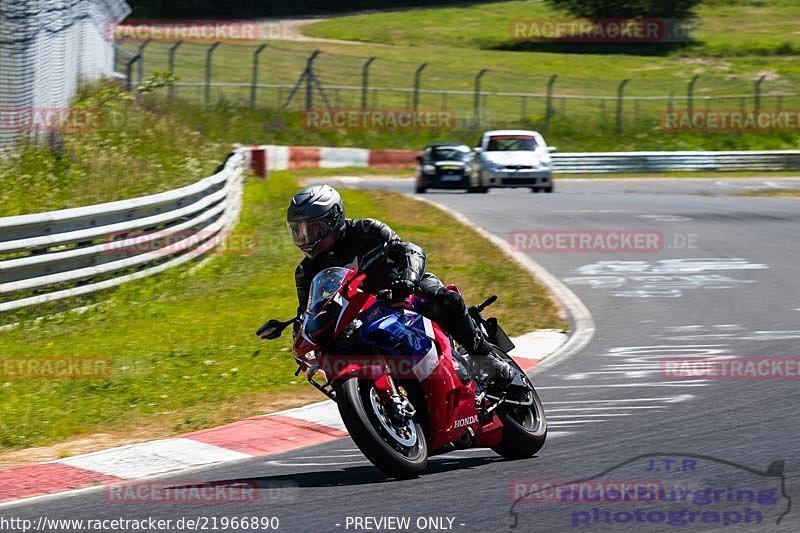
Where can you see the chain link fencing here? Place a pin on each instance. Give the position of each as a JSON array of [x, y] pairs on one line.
[[293, 76], [47, 49]]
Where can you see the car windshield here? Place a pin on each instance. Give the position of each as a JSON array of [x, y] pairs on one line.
[[325, 285], [511, 143], [450, 153]]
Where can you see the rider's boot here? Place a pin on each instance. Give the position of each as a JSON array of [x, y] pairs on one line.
[[492, 370]]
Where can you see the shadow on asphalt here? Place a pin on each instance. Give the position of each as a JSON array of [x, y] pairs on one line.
[[359, 475]]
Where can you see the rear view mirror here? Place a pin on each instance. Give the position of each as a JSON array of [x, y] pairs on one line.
[[478, 149], [273, 329], [552, 149], [419, 159]]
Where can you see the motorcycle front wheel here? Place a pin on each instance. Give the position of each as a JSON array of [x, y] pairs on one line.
[[398, 449], [524, 429]]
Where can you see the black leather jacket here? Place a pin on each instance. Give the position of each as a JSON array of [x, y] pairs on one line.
[[402, 260]]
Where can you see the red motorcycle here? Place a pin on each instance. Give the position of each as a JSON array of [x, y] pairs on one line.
[[403, 391]]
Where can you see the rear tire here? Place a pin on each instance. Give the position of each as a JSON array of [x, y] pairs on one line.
[[372, 438], [524, 429]]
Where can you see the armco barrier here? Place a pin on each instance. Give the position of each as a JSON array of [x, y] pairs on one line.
[[607, 162], [50, 256], [271, 157]]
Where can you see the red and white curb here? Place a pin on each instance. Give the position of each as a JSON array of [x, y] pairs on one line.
[[266, 158], [253, 437]]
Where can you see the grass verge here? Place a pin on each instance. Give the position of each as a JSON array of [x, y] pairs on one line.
[[132, 153], [725, 28]]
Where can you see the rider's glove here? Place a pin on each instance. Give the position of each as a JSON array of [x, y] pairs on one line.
[[402, 289]]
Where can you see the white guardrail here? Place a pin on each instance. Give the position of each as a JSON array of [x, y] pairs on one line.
[[60, 254], [606, 162]]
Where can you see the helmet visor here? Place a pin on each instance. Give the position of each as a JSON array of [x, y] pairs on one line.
[[309, 233]]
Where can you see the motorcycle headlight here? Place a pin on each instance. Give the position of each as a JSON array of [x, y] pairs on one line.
[[428, 169]]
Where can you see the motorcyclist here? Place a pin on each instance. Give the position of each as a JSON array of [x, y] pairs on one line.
[[319, 228]]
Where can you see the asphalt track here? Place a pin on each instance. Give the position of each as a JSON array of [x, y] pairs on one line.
[[724, 284]]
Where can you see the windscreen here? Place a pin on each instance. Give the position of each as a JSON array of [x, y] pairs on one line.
[[454, 153], [325, 285], [511, 143]]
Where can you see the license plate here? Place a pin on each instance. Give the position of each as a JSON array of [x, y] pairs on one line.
[[451, 178]]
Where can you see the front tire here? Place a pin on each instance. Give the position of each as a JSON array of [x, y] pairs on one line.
[[399, 452], [524, 429], [420, 189]]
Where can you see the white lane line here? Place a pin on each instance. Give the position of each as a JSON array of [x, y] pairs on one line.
[[328, 456], [687, 383], [679, 398], [574, 423], [587, 211], [618, 407], [338, 463], [584, 415]]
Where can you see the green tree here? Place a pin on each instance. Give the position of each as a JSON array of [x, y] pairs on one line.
[[627, 9]]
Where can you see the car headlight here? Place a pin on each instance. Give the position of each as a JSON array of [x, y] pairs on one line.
[[428, 169]]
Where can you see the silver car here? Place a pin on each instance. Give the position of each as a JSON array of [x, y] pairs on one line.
[[514, 158]]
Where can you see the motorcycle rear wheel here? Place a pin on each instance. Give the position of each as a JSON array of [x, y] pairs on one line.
[[398, 451]]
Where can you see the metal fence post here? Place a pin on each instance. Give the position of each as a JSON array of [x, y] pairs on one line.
[[476, 104], [209, 52], [254, 86], [619, 104], [548, 111], [690, 96], [310, 79], [172, 50], [417, 83], [129, 72], [365, 82], [140, 54], [757, 94]]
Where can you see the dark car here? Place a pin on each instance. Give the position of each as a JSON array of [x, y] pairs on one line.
[[445, 166]]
